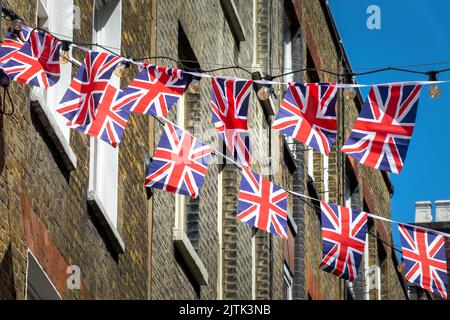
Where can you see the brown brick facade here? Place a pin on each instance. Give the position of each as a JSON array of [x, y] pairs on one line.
[[43, 203]]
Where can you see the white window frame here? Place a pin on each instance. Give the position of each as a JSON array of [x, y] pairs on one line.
[[367, 280], [58, 15], [36, 278], [254, 261], [255, 64], [220, 236], [378, 277], [288, 280], [104, 159], [310, 161], [326, 178], [287, 51], [180, 200]]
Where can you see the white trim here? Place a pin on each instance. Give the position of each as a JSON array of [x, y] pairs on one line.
[[287, 278], [30, 254], [366, 287], [310, 162], [55, 124], [253, 239], [220, 236], [101, 185], [326, 178], [180, 200]]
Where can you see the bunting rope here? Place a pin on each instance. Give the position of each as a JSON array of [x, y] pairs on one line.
[[268, 80]]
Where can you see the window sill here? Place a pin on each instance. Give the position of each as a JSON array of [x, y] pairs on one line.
[[62, 145], [234, 19], [190, 257], [99, 211]]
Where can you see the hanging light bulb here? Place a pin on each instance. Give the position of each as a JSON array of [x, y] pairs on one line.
[[4, 79], [349, 92], [121, 69], [434, 91], [194, 86], [263, 93], [64, 57], [17, 24]]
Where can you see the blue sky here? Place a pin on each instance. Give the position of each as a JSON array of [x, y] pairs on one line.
[[412, 32]]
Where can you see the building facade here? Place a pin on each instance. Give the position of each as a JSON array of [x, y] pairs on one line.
[[72, 206]]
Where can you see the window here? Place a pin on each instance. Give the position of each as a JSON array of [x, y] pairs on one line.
[[287, 283], [287, 50], [187, 210], [38, 285], [56, 16], [104, 159], [312, 77]]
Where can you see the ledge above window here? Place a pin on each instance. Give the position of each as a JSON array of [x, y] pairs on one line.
[[113, 236], [190, 257], [59, 141], [234, 19]]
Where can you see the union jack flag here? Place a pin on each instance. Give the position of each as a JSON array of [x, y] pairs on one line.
[[308, 114], [12, 43], [381, 134], [229, 108], [156, 90], [180, 162], [425, 259], [262, 204], [81, 99], [37, 62], [111, 116], [343, 239]]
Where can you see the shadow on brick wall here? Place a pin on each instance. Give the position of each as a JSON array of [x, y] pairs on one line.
[[2, 146], [49, 143], [7, 291]]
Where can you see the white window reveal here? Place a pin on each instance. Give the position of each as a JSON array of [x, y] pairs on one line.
[[104, 159], [287, 51], [288, 283], [56, 16], [38, 284]]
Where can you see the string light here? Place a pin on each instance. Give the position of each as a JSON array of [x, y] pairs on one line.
[[121, 69], [263, 93], [194, 86], [349, 93], [64, 57], [4, 79], [17, 24], [434, 91]]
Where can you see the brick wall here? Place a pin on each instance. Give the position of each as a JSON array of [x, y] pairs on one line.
[[35, 180], [43, 204]]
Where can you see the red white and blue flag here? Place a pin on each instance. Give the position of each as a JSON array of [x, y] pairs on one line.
[[262, 204], [180, 162], [343, 240], [308, 114], [229, 108], [156, 89], [110, 117], [425, 259], [37, 62], [12, 42], [81, 100], [381, 134]]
